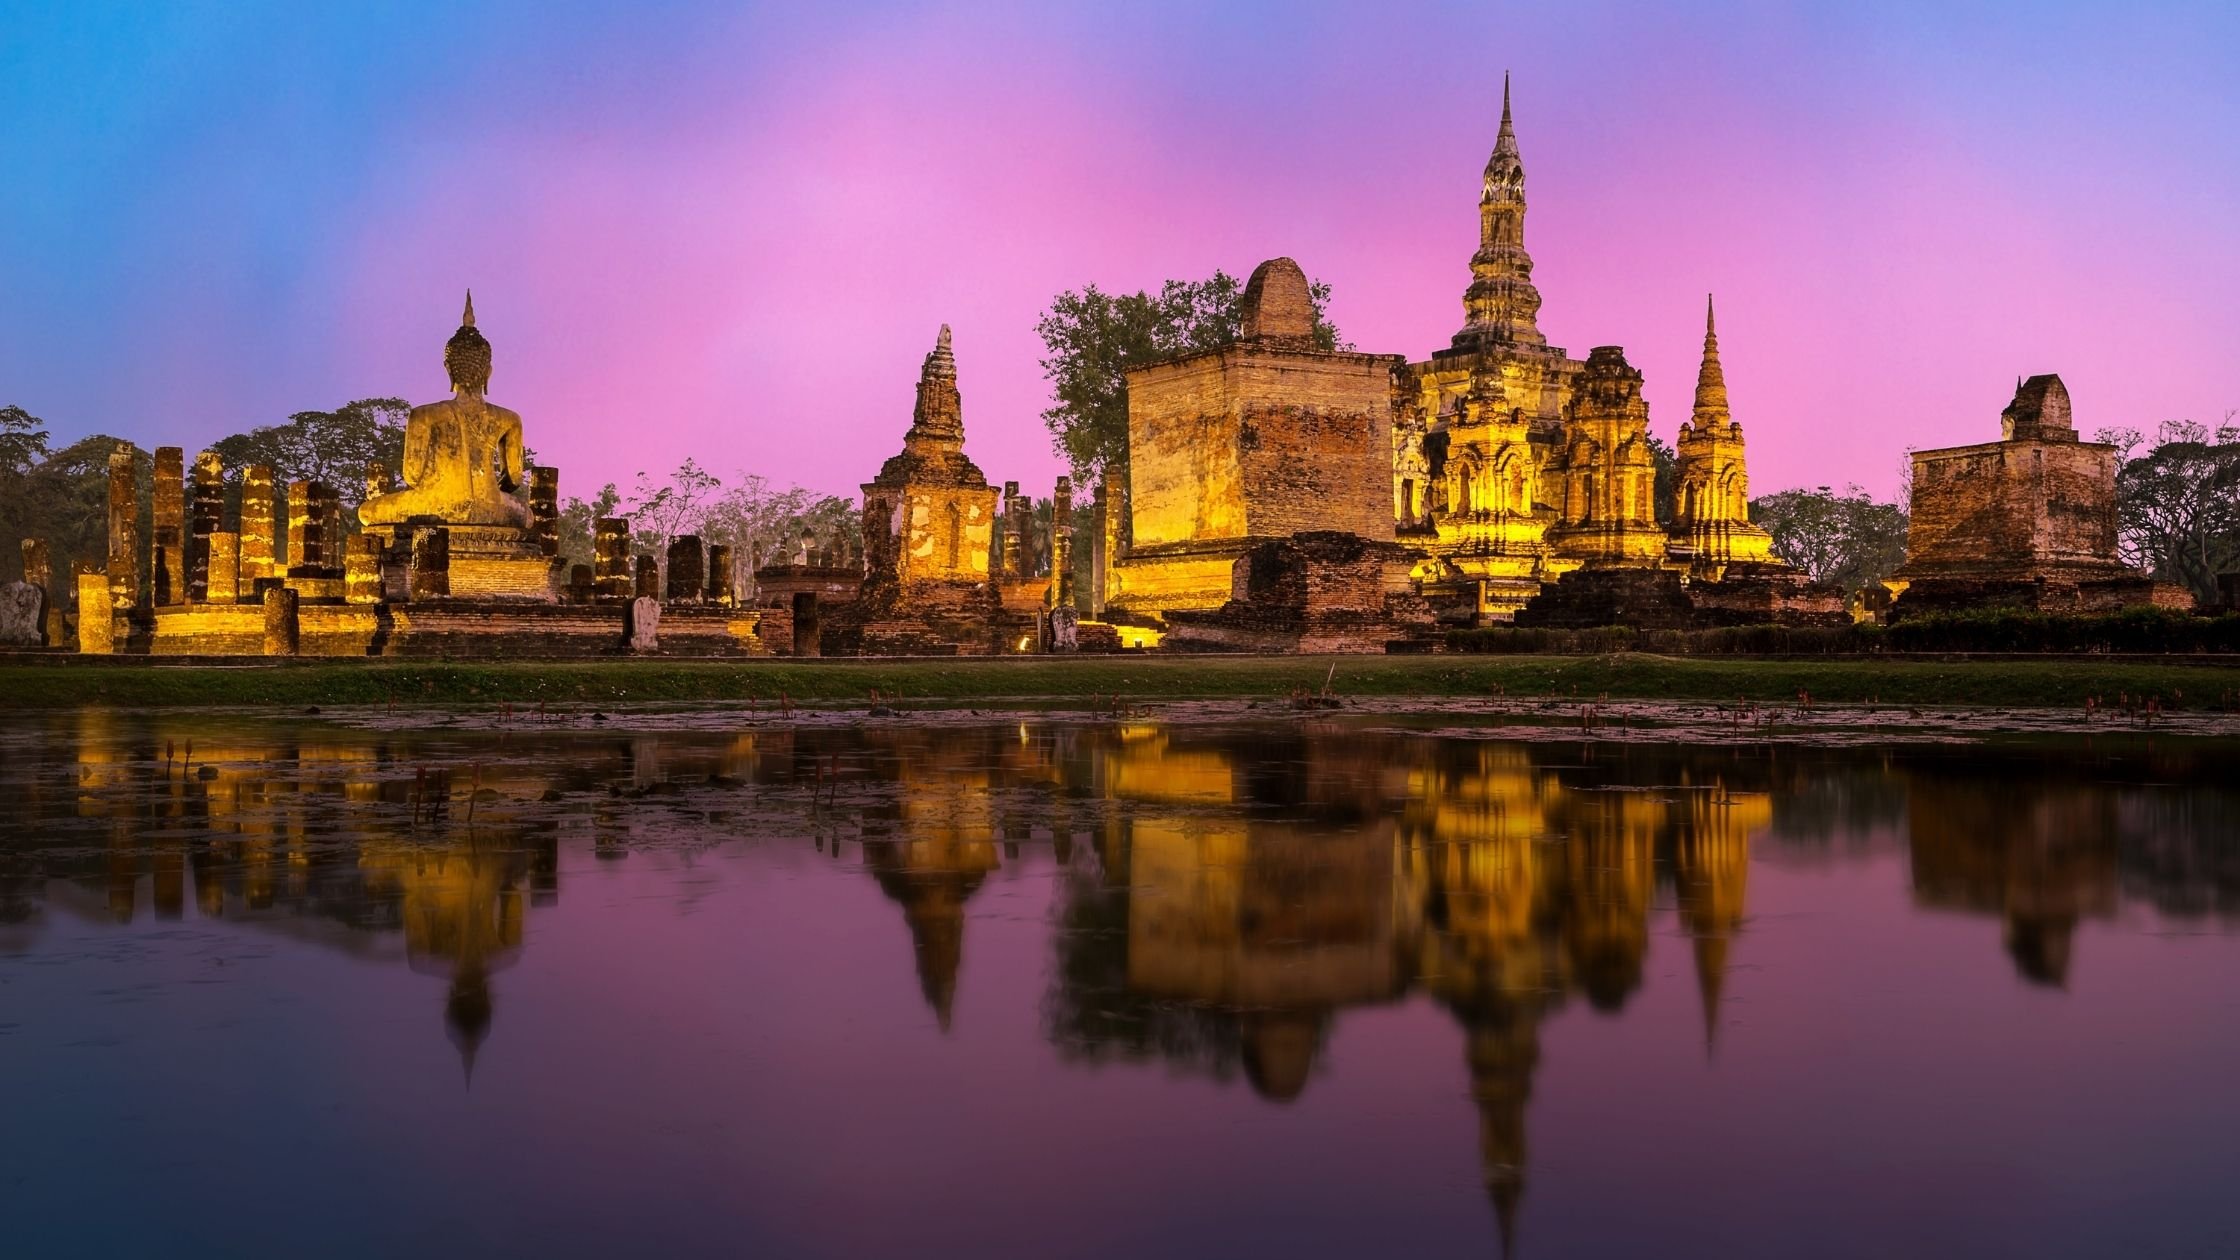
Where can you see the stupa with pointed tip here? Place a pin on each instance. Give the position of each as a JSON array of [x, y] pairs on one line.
[[1479, 424], [929, 522]]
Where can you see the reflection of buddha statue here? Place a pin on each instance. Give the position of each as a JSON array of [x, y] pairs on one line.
[[462, 456]]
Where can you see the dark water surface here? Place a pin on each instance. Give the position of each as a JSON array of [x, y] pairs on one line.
[[1109, 990]]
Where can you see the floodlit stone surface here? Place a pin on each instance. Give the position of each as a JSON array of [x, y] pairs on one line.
[[930, 578], [1257, 441]]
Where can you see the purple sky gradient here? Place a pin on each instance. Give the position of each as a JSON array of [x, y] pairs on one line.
[[732, 233]]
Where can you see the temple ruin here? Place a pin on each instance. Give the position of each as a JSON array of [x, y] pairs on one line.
[[2028, 521], [461, 558]]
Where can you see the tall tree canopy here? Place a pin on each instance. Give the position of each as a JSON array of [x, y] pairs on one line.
[[2178, 504], [1094, 337], [1846, 539], [335, 447]]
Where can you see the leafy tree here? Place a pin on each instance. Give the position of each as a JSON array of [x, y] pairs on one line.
[[1847, 540], [335, 447], [23, 441], [1665, 495], [763, 524], [64, 498], [660, 511], [2178, 505], [1094, 338]]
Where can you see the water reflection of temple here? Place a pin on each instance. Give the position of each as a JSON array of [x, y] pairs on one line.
[[339, 845], [1225, 896], [1251, 890]]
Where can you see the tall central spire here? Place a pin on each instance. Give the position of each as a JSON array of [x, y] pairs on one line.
[[1501, 306], [1711, 379]]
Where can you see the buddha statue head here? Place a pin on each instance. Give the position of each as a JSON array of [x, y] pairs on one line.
[[466, 357]]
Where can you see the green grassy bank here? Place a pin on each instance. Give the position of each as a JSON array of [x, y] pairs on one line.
[[1083, 681]]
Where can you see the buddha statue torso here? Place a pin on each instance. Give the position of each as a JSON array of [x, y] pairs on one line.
[[462, 465], [462, 456]]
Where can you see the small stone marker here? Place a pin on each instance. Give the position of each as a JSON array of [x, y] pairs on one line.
[[96, 617], [23, 615], [282, 630], [1065, 629], [642, 625]]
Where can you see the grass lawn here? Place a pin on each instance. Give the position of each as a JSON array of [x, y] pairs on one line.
[[1084, 680]]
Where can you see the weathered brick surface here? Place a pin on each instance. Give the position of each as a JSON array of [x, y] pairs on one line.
[[124, 532], [260, 541], [206, 516], [1317, 591], [2026, 522], [1261, 440]]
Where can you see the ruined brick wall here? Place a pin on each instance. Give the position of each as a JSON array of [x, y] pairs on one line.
[[1261, 442], [1184, 480], [2004, 505]]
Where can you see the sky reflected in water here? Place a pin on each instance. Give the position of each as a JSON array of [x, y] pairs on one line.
[[1110, 990]]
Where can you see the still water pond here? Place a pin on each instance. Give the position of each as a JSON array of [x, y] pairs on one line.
[[1109, 990]]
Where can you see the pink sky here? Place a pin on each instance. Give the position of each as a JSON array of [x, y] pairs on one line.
[[733, 237]]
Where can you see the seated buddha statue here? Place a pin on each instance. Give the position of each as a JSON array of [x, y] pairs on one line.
[[462, 456]]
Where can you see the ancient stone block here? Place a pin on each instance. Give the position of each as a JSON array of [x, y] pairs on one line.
[[1061, 544], [38, 569], [2028, 521], [1262, 439], [166, 579], [544, 509], [301, 548], [431, 562], [206, 516], [1063, 629], [1014, 539], [720, 575], [642, 624], [261, 545], [282, 623], [647, 578], [1316, 591], [688, 577], [124, 531], [23, 615], [327, 505], [222, 578], [610, 558], [579, 583], [361, 570], [96, 617], [170, 567]]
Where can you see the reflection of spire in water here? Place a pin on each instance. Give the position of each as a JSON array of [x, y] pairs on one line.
[[1503, 1054], [466, 1015], [1711, 875], [932, 879]]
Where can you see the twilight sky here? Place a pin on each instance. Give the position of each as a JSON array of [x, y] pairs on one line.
[[731, 231]]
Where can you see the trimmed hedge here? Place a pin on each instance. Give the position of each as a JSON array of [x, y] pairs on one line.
[[2135, 630]]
